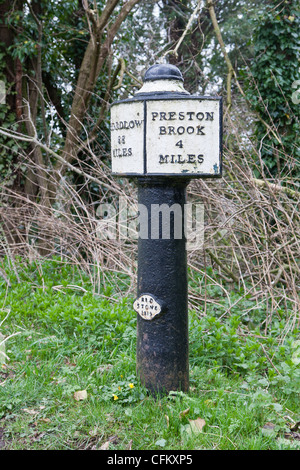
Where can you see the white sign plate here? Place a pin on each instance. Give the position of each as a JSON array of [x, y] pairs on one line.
[[127, 138], [167, 137], [183, 137], [147, 307]]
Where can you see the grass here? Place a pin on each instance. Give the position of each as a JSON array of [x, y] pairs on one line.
[[244, 384]]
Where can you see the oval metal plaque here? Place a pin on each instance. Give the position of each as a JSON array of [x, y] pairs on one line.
[[147, 306]]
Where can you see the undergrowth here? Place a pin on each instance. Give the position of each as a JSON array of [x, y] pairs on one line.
[[244, 382]]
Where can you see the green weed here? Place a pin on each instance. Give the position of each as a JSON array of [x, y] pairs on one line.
[[244, 384]]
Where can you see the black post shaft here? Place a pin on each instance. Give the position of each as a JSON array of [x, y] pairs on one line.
[[162, 343]]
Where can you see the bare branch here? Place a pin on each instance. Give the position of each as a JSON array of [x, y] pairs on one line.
[[188, 26]]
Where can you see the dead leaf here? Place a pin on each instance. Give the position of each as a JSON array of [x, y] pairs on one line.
[[268, 429], [104, 368], [197, 425], [105, 446], [38, 436], [45, 420], [2, 442], [30, 412], [71, 364], [80, 395], [94, 432], [269, 426], [113, 439], [184, 413], [292, 435], [296, 426], [168, 420]]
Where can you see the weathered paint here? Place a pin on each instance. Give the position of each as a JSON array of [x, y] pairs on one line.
[[162, 343], [182, 135], [166, 134], [127, 142]]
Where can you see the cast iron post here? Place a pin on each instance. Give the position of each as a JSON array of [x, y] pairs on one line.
[[164, 136], [162, 343]]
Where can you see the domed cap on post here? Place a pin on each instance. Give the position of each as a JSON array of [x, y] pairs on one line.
[[162, 78], [163, 72]]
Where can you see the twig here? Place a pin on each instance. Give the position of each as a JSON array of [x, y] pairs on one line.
[[268, 358], [17, 136], [276, 187], [2, 274], [121, 68], [189, 24], [222, 265]]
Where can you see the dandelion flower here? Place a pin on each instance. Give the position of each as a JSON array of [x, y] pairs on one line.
[[131, 386], [115, 397]]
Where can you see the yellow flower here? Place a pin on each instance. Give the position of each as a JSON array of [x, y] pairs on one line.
[[131, 386], [115, 397], [119, 388]]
